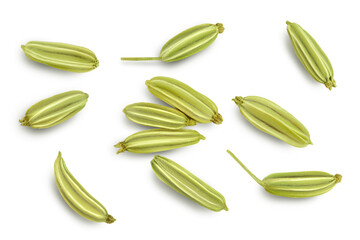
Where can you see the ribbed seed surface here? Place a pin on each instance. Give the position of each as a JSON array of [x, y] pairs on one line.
[[154, 115], [186, 43], [295, 184], [54, 110], [157, 140], [274, 120], [76, 196], [311, 56], [187, 100], [61, 55], [187, 184]]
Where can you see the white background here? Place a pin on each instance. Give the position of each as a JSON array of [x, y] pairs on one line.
[[253, 56]]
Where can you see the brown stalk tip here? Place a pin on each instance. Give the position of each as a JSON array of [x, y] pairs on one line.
[[220, 27], [190, 122], [201, 137], [24, 121], [122, 147], [96, 64], [338, 178], [110, 219], [238, 100], [330, 83], [217, 118]]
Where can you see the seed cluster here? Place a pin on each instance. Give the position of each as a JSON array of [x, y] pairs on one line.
[[189, 107]]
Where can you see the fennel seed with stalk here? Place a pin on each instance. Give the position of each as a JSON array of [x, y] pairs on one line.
[[295, 184], [186, 43]]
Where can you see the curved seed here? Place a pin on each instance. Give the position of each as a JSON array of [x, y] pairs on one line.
[[274, 120], [154, 115], [61, 55], [76, 196], [54, 110], [187, 184], [186, 43], [187, 100], [157, 140], [295, 184], [311, 56]]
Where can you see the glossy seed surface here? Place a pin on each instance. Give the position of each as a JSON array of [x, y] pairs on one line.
[[154, 115], [312, 57], [54, 110], [270, 118], [187, 184], [76, 196], [61, 55], [158, 140], [181, 96]]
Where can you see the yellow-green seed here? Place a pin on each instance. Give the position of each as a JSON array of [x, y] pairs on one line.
[[157, 140], [187, 100], [187, 184], [312, 57], [186, 43], [154, 115], [54, 110], [76, 196], [295, 184], [61, 55], [274, 120]]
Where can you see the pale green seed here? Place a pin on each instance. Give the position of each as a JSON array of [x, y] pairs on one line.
[[61, 55], [157, 140], [274, 120], [76, 196], [54, 110], [154, 115], [186, 43], [187, 100], [295, 184], [187, 184], [311, 56]]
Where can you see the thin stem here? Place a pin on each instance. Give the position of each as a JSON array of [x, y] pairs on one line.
[[246, 169], [140, 58]]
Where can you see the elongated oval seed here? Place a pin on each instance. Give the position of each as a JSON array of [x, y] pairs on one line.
[[312, 57], [187, 100], [187, 184], [295, 184], [61, 55], [154, 115], [76, 196], [54, 110], [274, 120], [186, 43], [157, 140]]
